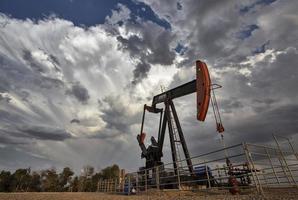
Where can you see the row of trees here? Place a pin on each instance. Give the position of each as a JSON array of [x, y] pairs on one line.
[[24, 180]]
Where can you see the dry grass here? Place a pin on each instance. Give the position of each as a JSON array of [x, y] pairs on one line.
[[169, 195]]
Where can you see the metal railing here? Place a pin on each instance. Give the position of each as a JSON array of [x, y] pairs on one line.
[[239, 168]]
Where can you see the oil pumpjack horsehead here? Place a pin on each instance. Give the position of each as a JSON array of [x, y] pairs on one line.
[[168, 116]]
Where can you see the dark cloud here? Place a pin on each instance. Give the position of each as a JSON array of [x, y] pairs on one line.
[[259, 128], [179, 6], [27, 56], [277, 75], [150, 46], [251, 6], [75, 121], [7, 117], [55, 61], [48, 83], [8, 140], [45, 133], [228, 105], [140, 72], [79, 92], [23, 134]]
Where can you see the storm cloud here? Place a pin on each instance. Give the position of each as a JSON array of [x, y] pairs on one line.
[[45, 133], [147, 43], [79, 92], [69, 92]]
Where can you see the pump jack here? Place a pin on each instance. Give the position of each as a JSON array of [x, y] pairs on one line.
[[202, 86]]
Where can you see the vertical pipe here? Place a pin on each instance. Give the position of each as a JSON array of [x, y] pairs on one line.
[[264, 177], [146, 180], [282, 166], [129, 185], [272, 166], [250, 164], [178, 178], [157, 177], [207, 173], [256, 174], [219, 174]]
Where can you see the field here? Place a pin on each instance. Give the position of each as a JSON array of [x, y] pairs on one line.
[[276, 194], [103, 196]]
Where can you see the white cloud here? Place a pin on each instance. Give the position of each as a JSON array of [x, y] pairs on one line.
[[46, 59], [40, 61]]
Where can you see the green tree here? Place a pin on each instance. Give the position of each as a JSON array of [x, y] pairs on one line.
[[21, 180], [5, 181], [65, 178], [74, 184], [82, 184], [50, 181], [110, 172], [95, 178], [35, 183]]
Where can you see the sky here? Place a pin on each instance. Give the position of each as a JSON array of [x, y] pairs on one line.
[[75, 74]]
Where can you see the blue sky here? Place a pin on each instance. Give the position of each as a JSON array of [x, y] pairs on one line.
[[80, 12], [74, 75]]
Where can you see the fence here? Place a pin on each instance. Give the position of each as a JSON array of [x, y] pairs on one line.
[[239, 168]]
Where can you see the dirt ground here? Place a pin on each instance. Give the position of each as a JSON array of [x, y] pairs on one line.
[[275, 194]]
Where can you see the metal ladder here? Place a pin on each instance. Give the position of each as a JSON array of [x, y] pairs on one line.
[[177, 143]]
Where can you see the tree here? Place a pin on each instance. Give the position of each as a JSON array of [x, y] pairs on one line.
[[111, 172], [74, 184], [82, 184], [35, 183], [5, 181], [21, 180], [65, 178], [88, 171], [50, 181], [95, 178]]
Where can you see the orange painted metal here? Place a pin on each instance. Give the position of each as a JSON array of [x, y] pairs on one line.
[[203, 84], [142, 137], [219, 127]]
